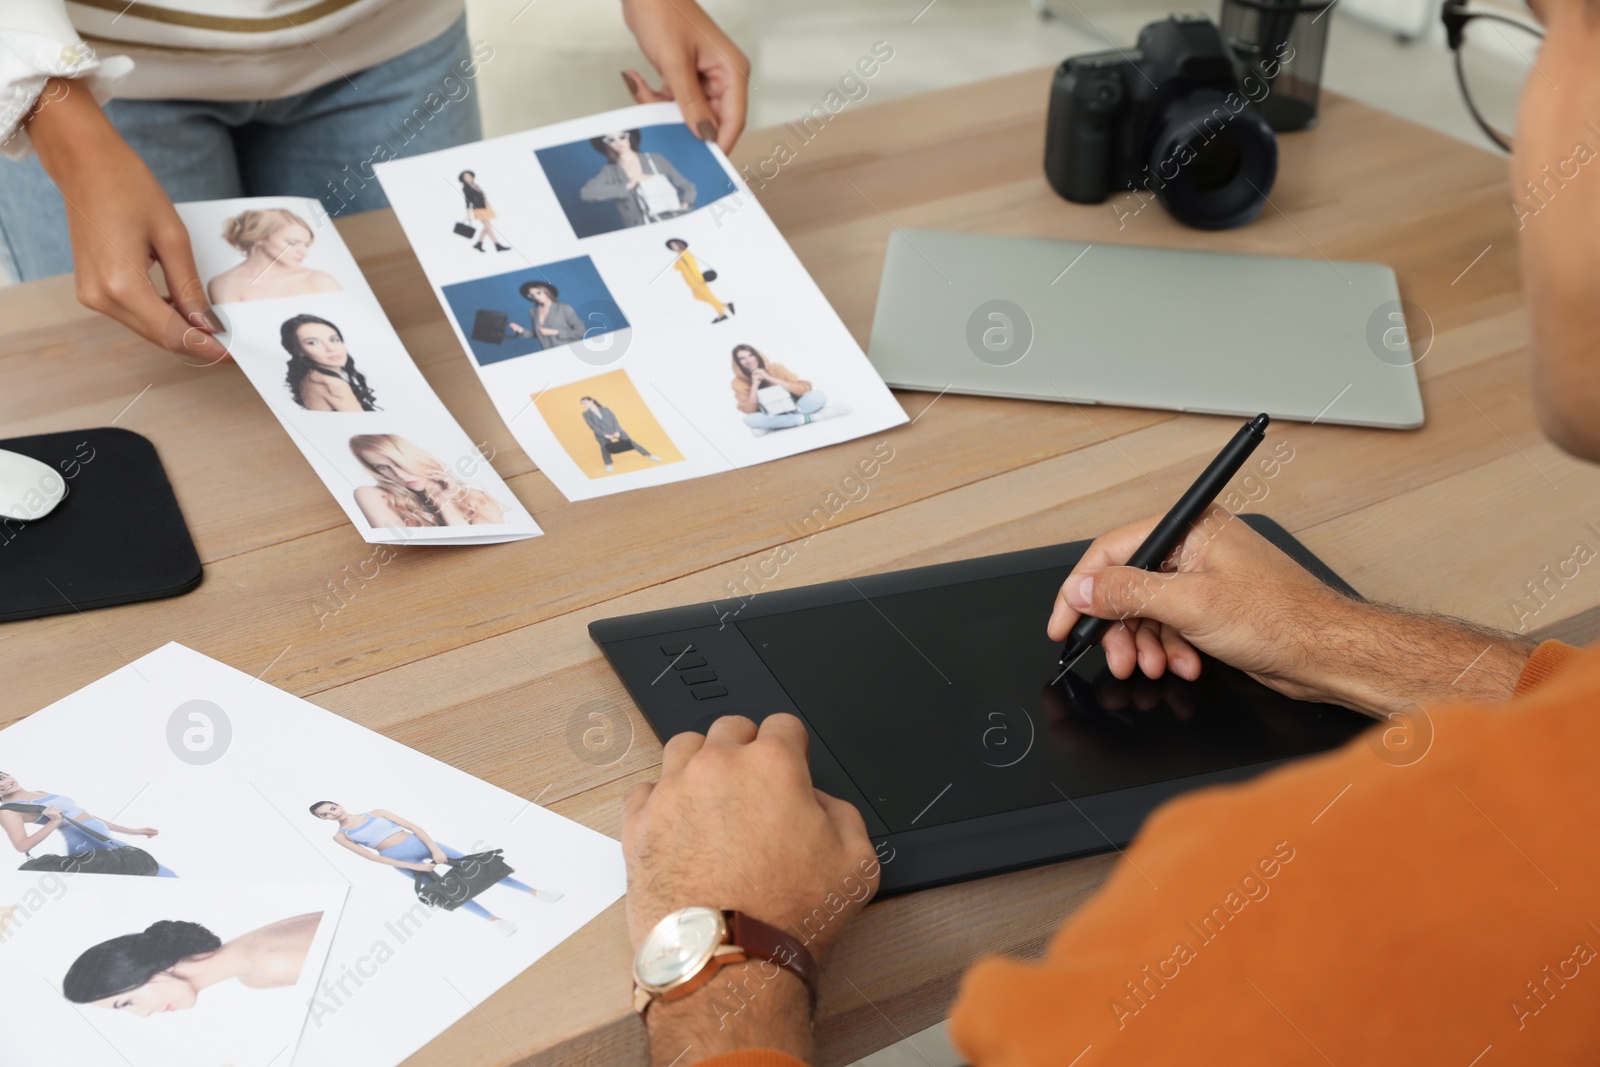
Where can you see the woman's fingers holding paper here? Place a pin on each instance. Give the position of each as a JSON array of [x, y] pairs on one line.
[[705, 72]]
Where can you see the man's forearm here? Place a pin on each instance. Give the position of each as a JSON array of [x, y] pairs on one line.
[[750, 1005], [1383, 659]]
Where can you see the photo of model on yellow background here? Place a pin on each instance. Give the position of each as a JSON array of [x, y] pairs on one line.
[[605, 426]]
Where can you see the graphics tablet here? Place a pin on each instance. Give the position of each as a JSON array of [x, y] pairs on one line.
[[1213, 332], [926, 696]]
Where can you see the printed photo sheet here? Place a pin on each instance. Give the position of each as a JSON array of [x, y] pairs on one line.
[[110, 971], [629, 306], [226, 782], [308, 332]]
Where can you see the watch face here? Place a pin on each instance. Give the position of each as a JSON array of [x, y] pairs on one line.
[[678, 947]]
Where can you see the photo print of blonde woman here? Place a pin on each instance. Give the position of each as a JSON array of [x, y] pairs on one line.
[[274, 243], [415, 489]]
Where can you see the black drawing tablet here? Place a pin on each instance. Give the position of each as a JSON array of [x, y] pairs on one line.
[[926, 695], [117, 537]]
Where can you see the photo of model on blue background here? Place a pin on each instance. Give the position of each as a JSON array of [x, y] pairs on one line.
[[625, 178], [537, 308]]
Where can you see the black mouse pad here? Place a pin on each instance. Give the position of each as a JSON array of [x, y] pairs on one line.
[[118, 536]]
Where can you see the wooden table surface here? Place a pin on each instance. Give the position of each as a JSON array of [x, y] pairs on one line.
[[480, 656]]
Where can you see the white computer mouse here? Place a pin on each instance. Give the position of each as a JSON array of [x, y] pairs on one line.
[[28, 489]]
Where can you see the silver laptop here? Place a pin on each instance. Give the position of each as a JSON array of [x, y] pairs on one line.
[[1215, 332]]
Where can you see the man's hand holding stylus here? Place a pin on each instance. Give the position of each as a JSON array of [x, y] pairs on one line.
[[1230, 593]]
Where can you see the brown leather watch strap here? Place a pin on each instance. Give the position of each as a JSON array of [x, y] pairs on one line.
[[761, 941]]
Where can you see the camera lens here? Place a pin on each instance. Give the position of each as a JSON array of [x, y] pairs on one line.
[[1215, 159], [1216, 164]]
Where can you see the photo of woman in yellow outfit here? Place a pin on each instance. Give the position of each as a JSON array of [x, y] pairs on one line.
[[696, 279]]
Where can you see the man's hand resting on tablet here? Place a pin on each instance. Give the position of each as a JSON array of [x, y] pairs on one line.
[[1235, 596], [735, 823]]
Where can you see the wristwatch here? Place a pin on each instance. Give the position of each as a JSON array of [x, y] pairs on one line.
[[686, 949]]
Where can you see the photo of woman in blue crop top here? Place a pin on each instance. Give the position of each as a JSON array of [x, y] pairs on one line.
[[58, 809], [384, 837]]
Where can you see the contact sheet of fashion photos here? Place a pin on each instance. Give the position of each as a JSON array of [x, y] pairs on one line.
[[231, 875], [311, 337], [630, 308]]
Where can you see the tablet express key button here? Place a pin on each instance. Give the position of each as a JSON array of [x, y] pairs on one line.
[[698, 676], [683, 663], [706, 692]]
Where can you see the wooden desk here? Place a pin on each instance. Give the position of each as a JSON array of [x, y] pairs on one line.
[[479, 656]]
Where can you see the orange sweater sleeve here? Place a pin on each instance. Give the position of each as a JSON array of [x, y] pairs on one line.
[[1549, 658], [744, 396], [755, 1057], [1351, 908]]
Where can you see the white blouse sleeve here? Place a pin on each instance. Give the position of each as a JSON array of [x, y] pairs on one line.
[[38, 42]]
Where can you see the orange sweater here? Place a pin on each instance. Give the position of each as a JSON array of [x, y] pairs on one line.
[[1343, 910]]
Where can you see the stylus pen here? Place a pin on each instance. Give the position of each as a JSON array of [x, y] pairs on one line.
[[1174, 526]]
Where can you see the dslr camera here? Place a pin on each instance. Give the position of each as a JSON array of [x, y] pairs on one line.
[[1167, 118]]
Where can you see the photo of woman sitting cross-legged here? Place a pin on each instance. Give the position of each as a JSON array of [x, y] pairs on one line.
[[773, 398]]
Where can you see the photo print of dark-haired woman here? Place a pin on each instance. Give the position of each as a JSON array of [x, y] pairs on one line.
[[698, 277], [157, 972], [480, 218], [322, 374]]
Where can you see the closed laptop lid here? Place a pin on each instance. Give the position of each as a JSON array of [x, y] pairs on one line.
[[1215, 332]]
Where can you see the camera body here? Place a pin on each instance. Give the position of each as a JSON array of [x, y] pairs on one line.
[[1167, 117]]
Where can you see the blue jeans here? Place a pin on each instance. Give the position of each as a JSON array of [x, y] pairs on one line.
[[320, 144], [808, 403]]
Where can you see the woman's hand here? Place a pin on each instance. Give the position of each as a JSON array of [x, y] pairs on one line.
[[514, 328], [439, 857], [705, 72], [121, 222], [425, 868], [144, 831], [53, 816]]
